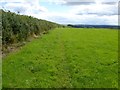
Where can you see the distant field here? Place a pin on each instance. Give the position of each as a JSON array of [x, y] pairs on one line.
[[65, 58]]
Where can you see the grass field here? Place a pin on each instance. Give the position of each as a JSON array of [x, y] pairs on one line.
[[65, 58]]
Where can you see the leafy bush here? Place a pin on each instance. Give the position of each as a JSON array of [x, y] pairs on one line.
[[17, 28]]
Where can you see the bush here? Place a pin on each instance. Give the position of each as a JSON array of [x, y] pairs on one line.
[[17, 28]]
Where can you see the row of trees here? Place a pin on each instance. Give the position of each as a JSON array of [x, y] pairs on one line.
[[17, 28]]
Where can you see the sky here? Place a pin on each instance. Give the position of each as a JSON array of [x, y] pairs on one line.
[[97, 12]]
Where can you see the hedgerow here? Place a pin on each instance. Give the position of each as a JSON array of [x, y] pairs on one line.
[[17, 28]]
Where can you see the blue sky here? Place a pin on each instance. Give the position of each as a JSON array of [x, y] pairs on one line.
[[99, 12]]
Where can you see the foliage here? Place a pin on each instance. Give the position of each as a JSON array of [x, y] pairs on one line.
[[65, 58], [17, 28]]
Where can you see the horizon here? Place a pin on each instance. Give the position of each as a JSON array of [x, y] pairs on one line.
[[83, 12]]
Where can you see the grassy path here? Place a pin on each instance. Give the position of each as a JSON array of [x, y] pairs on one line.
[[69, 58]]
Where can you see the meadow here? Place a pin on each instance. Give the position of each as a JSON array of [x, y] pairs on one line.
[[65, 58]]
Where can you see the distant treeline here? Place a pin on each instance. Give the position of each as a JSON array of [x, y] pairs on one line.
[[17, 28], [94, 26]]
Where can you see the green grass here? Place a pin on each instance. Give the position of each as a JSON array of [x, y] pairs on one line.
[[65, 58]]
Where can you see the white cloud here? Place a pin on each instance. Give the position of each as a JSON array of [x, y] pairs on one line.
[[87, 19], [71, 2], [108, 0], [24, 6], [67, 18], [84, 12], [8, 1], [97, 9], [81, 2]]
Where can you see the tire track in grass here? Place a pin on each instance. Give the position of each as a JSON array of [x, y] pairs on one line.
[[63, 66]]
